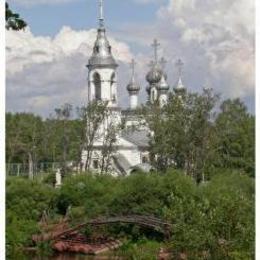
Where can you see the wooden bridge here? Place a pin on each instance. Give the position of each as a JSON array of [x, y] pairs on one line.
[[150, 222]]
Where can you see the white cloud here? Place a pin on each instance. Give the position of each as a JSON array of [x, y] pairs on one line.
[[218, 31], [215, 38], [43, 72]]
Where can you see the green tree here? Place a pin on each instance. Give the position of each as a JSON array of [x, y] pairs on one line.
[[182, 132], [25, 202], [63, 115], [23, 139], [92, 117], [235, 137], [13, 20]]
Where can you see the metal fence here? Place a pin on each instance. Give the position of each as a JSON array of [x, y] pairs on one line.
[[20, 169]]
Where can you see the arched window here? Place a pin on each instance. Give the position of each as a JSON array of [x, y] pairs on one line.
[[112, 81], [97, 83], [113, 78], [153, 95]]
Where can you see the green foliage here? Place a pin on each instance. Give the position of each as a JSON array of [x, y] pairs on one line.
[[217, 219], [235, 142], [23, 136], [50, 179], [182, 132], [142, 250], [13, 20], [93, 192], [214, 219], [25, 202], [188, 134]]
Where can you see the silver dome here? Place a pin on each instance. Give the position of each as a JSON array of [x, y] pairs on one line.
[[179, 84], [154, 75], [133, 87], [163, 85], [102, 55]]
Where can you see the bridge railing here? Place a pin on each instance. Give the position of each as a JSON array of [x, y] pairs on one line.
[[151, 222]]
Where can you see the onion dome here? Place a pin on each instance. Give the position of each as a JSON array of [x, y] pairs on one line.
[[154, 75], [163, 85], [179, 89], [102, 55], [179, 84], [133, 87]]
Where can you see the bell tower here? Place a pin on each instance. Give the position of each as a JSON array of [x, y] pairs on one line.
[[102, 76]]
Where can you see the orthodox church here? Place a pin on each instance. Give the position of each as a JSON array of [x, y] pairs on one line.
[[131, 148]]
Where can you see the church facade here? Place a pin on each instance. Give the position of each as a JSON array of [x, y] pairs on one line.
[[131, 147]]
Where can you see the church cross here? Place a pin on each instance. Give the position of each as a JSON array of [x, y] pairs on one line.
[[101, 13], [132, 65], [179, 65], [151, 64], [155, 45], [163, 62]]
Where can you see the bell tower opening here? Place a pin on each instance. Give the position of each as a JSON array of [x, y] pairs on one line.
[[112, 91], [97, 83]]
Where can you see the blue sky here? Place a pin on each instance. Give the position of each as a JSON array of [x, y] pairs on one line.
[[47, 19], [46, 62]]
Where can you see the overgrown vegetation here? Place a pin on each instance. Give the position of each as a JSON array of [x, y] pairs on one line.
[[214, 219], [196, 134], [204, 185]]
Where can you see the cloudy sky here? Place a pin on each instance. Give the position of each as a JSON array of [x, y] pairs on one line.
[[46, 62]]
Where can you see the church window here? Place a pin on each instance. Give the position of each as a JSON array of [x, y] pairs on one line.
[[112, 80], [153, 95], [97, 83]]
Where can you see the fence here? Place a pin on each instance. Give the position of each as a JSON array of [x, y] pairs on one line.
[[20, 169]]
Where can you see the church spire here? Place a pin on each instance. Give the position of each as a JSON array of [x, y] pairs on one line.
[[133, 88], [132, 65], [179, 88], [101, 14], [179, 65]]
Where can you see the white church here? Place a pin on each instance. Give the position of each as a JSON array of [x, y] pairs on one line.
[[131, 151]]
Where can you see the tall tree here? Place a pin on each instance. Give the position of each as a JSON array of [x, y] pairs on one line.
[[235, 136], [181, 132], [23, 139], [92, 117], [63, 115]]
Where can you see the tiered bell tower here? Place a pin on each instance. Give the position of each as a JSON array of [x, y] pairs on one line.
[[102, 76]]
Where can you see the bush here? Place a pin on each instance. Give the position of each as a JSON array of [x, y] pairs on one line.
[[214, 220], [25, 202]]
